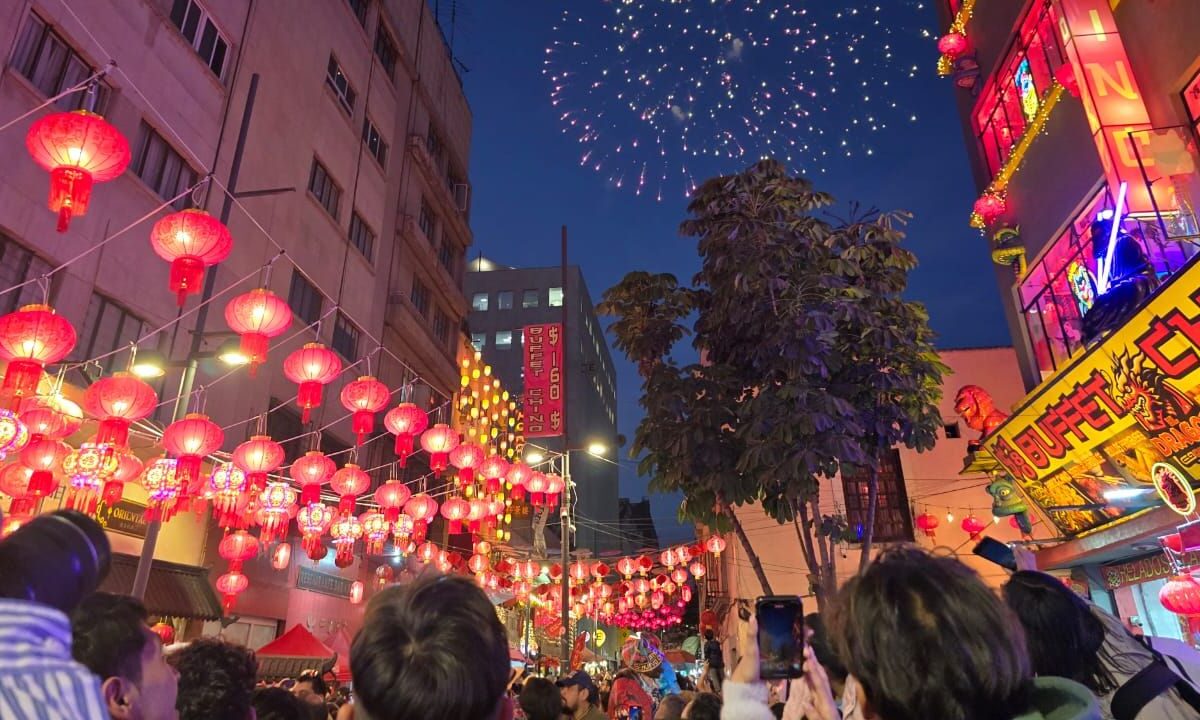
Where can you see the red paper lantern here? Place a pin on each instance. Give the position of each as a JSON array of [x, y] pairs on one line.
[[715, 545], [14, 482], [257, 316], [403, 530], [697, 569], [679, 576], [78, 149], [311, 472], [667, 557], [282, 556], [1181, 595], [554, 488], [165, 632], [421, 508], [973, 525], [118, 400], [478, 563], [536, 485], [438, 441], [190, 440], [627, 567], [230, 585], [312, 521], [391, 496], [466, 457], [375, 529], [191, 240], [345, 531], [129, 468], [356, 592], [364, 397], [44, 457], [989, 207], [87, 470], [14, 434], [927, 523], [227, 486], [30, 339], [953, 45], [349, 483], [277, 503], [493, 470], [258, 457], [427, 553], [405, 421], [51, 415], [237, 547], [455, 510], [518, 477], [164, 487], [600, 571], [312, 367]]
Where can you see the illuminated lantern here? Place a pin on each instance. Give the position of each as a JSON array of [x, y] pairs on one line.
[[953, 45], [529, 569], [403, 530], [973, 525], [163, 489], [1065, 75], [679, 576], [683, 553], [312, 367], [14, 482], [165, 632], [477, 514], [493, 469], [427, 553], [600, 571], [349, 483], [277, 502], [556, 572], [405, 421], [356, 592], [536, 485], [927, 523], [390, 497], [518, 476], [483, 547], [989, 207], [645, 565], [521, 590], [345, 531], [421, 508], [438, 441], [554, 488], [310, 472], [118, 400], [78, 148], [715, 545], [364, 397], [478, 563], [656, 599], [237, 547], [375, 528], [1181, 595], [282, 556], [257, 316], [455, 510], [190, 440], [44, 457], [230, 585], [14, 434], [627, 567], [258, 457], [30, 339], [312, 521], [467, 457], [226, 485], [87, 470], [667, 558], [51, 415], [191, 240], [578, 571], [697, 569], [686, 594]]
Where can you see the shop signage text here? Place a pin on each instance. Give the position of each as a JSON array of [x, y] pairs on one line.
[[323, 583], [125, 517], [543, 396], [1142, 570]]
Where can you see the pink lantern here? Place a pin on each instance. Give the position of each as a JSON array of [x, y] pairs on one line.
[[312, 367], [375, 529], [313, 520], [405, 421], [349, 483], [364, 397], [118, 400], [466, 457], [518, 476], [438, 441], [493, 470], [356, 592], [277, 503], [282, 556], [311, 472], [391, 496]]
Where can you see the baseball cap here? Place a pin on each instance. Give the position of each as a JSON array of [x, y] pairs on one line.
[[579, 678]]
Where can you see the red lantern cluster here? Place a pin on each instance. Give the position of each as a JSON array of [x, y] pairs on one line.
[[78, 149], [191, 240], [1181, 595], [190, 440]]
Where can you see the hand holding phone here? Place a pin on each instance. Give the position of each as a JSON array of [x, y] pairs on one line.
[[996, 551], [780, 637]]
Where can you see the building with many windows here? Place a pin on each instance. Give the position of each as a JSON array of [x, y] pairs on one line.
[[504, 300], [342, 131]]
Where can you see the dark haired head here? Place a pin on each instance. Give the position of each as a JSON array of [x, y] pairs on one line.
[[819, 642], [433, 650], [540, 699], [108, 634], [925, 638], [278, 704], [1064, 636], [670, 708], [705, 706], [216, 679], [708, 634], [311, 687]]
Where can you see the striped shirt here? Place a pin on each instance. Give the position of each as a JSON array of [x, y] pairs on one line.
[[38, 678]]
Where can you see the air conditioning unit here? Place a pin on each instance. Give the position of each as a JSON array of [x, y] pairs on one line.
[[462, 196]]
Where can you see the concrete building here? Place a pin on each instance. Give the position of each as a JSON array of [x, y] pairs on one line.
[[1075, 111], [504, 300], [637, 525], [344, 131]]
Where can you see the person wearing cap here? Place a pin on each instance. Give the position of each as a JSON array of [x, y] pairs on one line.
[[580, 697]]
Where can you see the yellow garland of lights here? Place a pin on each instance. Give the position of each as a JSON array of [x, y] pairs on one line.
[[999, 185], [945, 64]]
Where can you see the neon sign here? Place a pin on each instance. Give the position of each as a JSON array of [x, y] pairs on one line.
[[1027, 90]]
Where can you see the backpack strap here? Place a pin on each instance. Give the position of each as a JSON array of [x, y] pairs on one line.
[[1150, 682]]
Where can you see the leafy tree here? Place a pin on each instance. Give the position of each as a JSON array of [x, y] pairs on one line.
[[810, 358]]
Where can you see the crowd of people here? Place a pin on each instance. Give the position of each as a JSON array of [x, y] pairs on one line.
[[914, 637]]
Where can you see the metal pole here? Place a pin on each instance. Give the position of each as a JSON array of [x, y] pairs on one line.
[[142, 577], [565, 513]]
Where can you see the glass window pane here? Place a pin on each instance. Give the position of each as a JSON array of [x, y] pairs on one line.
[[529, 299], [556, 297], [479, 301], [504, 300], [504, 339], [478, 340]]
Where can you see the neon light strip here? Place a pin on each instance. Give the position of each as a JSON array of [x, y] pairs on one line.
[[1105, 269]]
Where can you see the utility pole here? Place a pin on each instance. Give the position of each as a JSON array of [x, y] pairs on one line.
[[565, 512]]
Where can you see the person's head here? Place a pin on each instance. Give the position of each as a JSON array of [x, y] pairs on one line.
[[311, 687], [110, 637], [670, 708], [578, 691], [541, 700], [708, 634], [819, 642], [278, 704], [923, 637], [705, 706], [216, 679], [1063, 635], [434, 650]]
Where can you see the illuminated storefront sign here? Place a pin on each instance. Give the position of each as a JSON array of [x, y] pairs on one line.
[[1111, 416], [543, 398], [1136, 572]]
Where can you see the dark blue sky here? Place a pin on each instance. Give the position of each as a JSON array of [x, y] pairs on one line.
[[527, 181]]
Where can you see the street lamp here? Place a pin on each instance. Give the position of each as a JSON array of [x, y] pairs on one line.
[[597, 449], [150, 364]]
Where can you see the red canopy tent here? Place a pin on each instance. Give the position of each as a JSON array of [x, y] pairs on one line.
[[292, 653]]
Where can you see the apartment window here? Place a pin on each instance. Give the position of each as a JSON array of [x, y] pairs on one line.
[[16, 266], [361, 236], [433, 144], [556, 297], [47, 61], [337, 80], [448, 257], [345, 337], [304, 299], [106, 327], [359, 8], [529, 299], [953, 432], [478, 340], [375, 143], [441, 326], [385, 49], [420, 297], [503, 339], [324, 189], [893, 522], [427, 221], [504, 300], [1014, 94], [198, 28], [479, 302], [162, 168]]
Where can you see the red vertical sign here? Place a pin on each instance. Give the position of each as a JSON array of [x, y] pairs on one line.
[[543, 399]]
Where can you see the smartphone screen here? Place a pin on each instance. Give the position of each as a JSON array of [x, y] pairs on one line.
[[780, 637], [997, 552], [635, 713]]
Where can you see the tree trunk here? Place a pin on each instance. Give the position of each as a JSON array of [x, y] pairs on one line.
[[872, 501], [828, 555], [539, 533], [750, 554], [804, 531]]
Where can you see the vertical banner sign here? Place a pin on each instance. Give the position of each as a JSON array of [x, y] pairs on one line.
[[543, 398], [1111, 97]]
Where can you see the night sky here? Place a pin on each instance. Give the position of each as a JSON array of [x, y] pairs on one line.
[[527, 179]]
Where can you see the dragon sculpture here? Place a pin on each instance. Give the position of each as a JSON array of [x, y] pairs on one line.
[[978, 410]]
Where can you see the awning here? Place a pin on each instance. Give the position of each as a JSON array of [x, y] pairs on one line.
[[293, 652], [173, 590]]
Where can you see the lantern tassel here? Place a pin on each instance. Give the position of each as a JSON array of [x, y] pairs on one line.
[[64, 218]]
